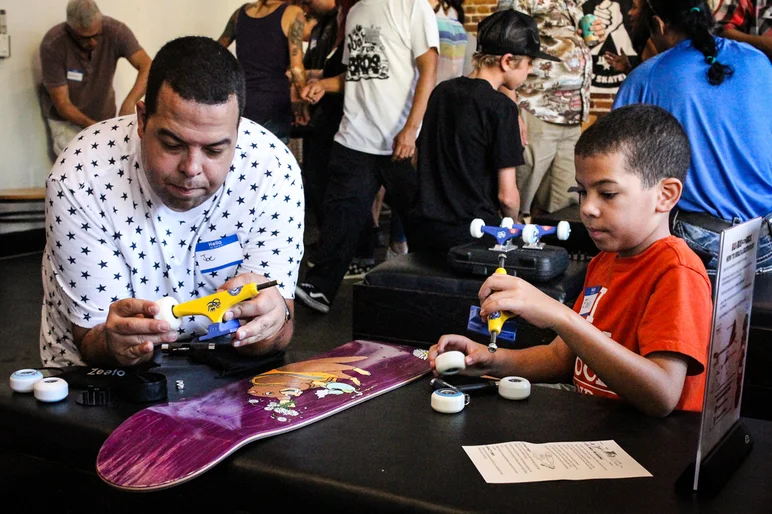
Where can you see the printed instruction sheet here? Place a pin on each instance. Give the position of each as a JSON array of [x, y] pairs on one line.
[[517, 461]]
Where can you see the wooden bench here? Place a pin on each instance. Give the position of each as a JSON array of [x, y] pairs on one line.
[[22, 196]]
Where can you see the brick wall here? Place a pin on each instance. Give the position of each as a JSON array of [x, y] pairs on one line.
[[476, 10]]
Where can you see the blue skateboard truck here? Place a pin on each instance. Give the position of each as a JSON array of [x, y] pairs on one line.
[[509, 230]]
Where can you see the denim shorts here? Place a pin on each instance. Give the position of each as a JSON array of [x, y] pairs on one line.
[[705, 243]]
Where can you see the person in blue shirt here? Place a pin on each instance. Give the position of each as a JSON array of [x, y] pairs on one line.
[[719, 90]]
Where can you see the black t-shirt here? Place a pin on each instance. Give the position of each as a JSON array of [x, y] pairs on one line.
[[470, 131]]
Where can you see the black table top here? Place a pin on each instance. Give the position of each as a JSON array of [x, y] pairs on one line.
[[395, 453], [390, 453]]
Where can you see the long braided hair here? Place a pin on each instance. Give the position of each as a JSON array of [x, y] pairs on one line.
[[693, 19]]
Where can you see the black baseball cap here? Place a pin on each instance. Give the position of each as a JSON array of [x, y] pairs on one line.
[[510, 32]]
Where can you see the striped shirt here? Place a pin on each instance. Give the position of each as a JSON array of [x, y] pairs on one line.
[[453, 41]]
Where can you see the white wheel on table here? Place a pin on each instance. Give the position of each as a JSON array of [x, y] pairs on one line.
[[530, 234], [564, 230], [449, 401], [475, 228], [514, 388], [165, 313], [507, 222]]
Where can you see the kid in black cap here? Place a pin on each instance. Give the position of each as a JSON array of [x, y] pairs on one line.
[[510, 32]]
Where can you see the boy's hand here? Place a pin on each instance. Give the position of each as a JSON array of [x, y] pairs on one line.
[[479, 361], [515, 295], [404, 144]]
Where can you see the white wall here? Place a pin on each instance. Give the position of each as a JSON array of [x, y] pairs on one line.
[[24, 159]]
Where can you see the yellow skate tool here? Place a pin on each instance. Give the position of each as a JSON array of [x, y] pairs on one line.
[[213, 306]]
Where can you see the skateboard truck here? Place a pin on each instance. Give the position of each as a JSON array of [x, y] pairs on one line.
[[509, 230], [213, 306]]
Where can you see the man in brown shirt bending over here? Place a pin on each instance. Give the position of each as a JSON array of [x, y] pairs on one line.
[[79, 58]]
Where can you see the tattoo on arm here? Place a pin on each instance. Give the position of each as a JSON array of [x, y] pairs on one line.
[[295, 38], [296, 32]]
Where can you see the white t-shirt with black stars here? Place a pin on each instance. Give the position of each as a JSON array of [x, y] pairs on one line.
[[108, 236]]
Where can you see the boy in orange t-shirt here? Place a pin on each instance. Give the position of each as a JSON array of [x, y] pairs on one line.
[[647, 296]]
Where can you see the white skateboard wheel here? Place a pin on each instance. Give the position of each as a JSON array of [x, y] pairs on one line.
[[449, 401], [507, 222], [475, 228], [450, 363], [530, 234], [166, 304], [564, 230], [514, 388], [51, 389], [23, 381]]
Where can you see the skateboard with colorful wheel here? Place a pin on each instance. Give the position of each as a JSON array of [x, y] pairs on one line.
[[166, 445]]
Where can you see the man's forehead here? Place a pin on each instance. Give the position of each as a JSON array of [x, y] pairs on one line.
[[194, 122]]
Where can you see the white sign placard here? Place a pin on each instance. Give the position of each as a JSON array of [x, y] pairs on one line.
[[518, 462], [732, 302]]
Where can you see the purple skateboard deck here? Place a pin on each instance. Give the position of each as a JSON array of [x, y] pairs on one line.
[[166, 445]]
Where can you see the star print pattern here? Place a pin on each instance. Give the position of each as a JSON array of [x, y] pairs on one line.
[[109, 236]]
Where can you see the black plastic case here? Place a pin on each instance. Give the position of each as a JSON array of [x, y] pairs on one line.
[[535, 265]]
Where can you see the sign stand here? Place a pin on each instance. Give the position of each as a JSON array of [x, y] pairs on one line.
[[720, 464], [724, 441]]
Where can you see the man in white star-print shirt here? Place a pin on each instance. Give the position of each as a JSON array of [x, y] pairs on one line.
[[181, 200]]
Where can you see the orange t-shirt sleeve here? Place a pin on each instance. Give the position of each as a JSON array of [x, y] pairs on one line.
[[678, 317]]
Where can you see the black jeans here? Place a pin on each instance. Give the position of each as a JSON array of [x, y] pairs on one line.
[[354, 180]]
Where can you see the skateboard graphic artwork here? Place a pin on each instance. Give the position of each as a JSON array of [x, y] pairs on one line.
[[168, 444]]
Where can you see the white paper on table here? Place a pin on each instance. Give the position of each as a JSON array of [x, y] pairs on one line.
[[517, 461]]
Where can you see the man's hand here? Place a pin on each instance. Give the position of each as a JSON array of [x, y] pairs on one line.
[[479, 361], [263, 316], [404, 144], [599, 29], [619, 62], [301, 113], [515, 295], [609, 14], [131, 331], [312, 93]]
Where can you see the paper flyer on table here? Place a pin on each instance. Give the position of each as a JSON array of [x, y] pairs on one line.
[[517, 461]]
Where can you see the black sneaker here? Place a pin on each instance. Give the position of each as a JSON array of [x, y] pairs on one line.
[[311, 297], [359, 268]]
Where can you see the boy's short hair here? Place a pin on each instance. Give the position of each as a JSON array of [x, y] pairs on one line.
[[510, 32], [483, 60], [651, 139]]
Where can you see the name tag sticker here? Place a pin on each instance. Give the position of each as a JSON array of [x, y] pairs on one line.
[[590, 295], [219, 254], [75, 75]]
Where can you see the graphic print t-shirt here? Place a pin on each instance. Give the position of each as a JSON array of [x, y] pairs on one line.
[[383, 40], [657, 301]]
